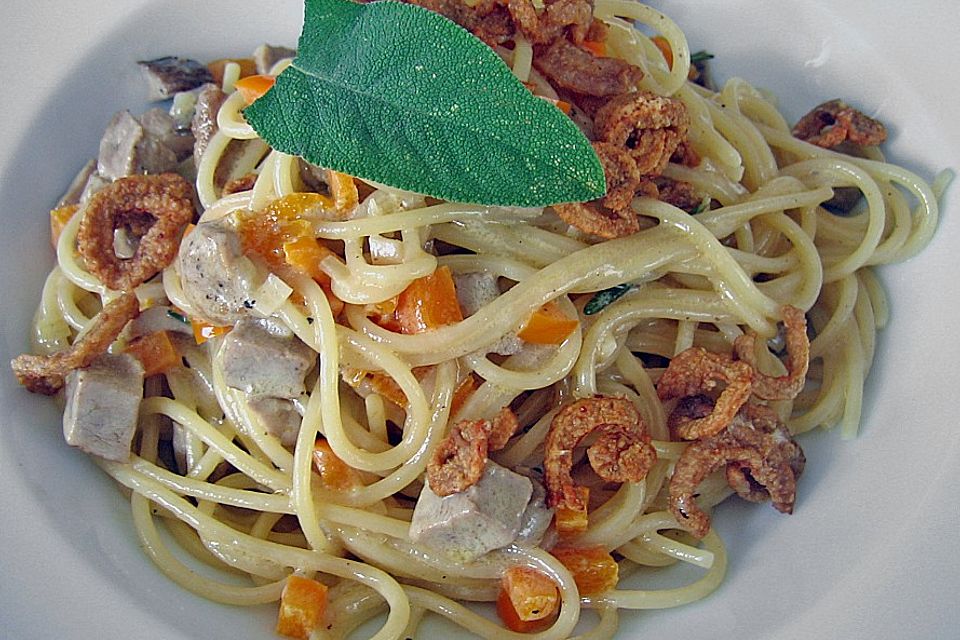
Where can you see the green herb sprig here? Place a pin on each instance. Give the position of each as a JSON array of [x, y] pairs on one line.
[[397, 94], [602, 299]]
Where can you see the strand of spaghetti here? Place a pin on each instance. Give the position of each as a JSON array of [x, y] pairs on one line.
[[173, 568], [658, 543], [878, 298], [231, 122], [605, 264], [542, 374], [230, 452], [847, 174], [809, 273], [661, 24], [638, 554], [710, 183], [398, 479], [866, 324], [670, 303], [212, 154], [67, 259], [415, 218], [234, 404], [705, 138], [898, 212], [666, 598], [613, 515], [358, 282], [471, 621], [531, 246], [725, 220], [853, 361], [497, 265], [254, 500], [650, 407], [925, 215], [295, 558], [285, 167], [759, 165], [737, 289], [65, 293], [606, 628], [188, 541], [845, 292], [263, 191], [418, 412]]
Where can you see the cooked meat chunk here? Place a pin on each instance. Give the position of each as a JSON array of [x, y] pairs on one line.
[[204, 124], [162, 127], [127, 149], [261, 357], [466, 525], [536, 517], [570, 67], [103, 401], [216, 277], [279, 416], [169, 75], [474, 290], [489, 20], [265, 56]]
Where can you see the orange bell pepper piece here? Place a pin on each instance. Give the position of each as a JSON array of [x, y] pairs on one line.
[[547, 325], [428, 303]]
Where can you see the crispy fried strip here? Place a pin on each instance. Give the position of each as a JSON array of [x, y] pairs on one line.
[[611, 215], [833, 122], [695, 371], [622, 453], [798, 358], [762, 461], [458, 463], [45, 374], [550, 23], [649, 126], [129, 201]]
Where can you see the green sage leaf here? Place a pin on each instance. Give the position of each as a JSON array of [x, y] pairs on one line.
[[394, 93]]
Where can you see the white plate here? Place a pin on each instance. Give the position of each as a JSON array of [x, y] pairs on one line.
[[871, 551]]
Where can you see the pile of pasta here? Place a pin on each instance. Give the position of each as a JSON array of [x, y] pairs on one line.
[[700, 280]]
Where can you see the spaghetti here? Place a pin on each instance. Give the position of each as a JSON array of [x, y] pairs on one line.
[[234, 495]]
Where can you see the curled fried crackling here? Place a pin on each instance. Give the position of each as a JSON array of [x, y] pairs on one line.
[[458, 462], [687, 409], [610, 216], [545, 26], [762, 461], [621, 453], [46, 374], [833, 122], [155, 208], [798, 358], [502, 428], [696, 371], [651, 127]]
